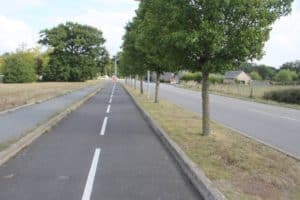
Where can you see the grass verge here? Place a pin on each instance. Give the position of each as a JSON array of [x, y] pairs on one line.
[[13, 95], [240, 167], [243, 92]]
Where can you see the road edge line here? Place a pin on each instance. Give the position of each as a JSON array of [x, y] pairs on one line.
[[196, 176], [31, 136]]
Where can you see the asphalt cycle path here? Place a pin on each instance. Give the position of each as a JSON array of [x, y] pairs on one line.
[[103, 150]]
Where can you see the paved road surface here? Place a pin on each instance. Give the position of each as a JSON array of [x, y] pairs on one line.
[[16, 123], [277, 126], [85, 158]]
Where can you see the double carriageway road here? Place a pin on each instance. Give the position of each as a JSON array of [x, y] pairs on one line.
[[103, 150]]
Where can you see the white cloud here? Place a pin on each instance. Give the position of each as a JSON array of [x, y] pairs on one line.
[[27, 3], [284, 43], [13, 33], [112, 24]]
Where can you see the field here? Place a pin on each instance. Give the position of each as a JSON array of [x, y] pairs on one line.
[[12, 95], [240, 167], [242, 91]]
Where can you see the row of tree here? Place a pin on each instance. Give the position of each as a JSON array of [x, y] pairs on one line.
[[207, 36], [75, 53]]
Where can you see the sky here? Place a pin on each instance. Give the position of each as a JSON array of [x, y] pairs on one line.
[[22, 20]]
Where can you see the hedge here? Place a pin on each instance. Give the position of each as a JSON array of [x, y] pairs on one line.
[[188, 76], [286, 96]]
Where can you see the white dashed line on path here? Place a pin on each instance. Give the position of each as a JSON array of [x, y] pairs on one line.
[[108, 109], [104, 126], [91, 177]]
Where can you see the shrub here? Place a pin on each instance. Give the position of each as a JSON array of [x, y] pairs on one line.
[[188, 76], [1, 64], [255, 76], [216, 78], [19, 67], [286, 96], [286, 76]]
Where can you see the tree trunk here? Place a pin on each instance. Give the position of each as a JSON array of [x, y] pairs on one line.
[[157, 87], [135, 82], [141, 85], [205, 104], [130, 81]]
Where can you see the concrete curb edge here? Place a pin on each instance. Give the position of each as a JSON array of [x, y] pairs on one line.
[[30, 137], [197, 177]]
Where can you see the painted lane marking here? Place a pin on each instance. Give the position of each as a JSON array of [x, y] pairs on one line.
[[91, 177], [108, 109], [110, 100], [103, 126]]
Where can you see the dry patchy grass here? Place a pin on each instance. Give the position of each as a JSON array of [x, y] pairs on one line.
[[12, 95], [240, 167]]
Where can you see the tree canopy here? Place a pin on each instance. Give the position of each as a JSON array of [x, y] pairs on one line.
[[19, 67], [207, 36], [77, 50]]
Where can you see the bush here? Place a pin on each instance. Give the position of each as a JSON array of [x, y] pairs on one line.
[[255, 76], [19, 67], [1, 64], [188, 76], [286, 96], [216, 78], [286, 76]]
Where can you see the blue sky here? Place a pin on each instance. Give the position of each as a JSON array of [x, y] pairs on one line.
[[21, 21]]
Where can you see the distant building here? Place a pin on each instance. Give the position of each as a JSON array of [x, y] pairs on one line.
[[232, 77]]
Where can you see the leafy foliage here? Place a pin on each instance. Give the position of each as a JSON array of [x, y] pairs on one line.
[[207, 36], [255, 76], [19, 67], [189, 76], [264, 71], [286, 96], [286, 76], [293, 66], [77, 52], [1, 64]]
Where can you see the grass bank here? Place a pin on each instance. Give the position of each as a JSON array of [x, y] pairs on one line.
[[240, 167], [13, 95], [243, 92]]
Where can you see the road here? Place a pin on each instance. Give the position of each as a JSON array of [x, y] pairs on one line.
[[273, 125], [103, 150]]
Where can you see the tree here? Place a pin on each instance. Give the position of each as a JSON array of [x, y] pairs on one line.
[[265, 72], [132, 60], [104, 62], [19, 67], [255, 76], [1, 64], [293, 66], [154, 26], [76, 52], [286, 76], [217, 34]]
